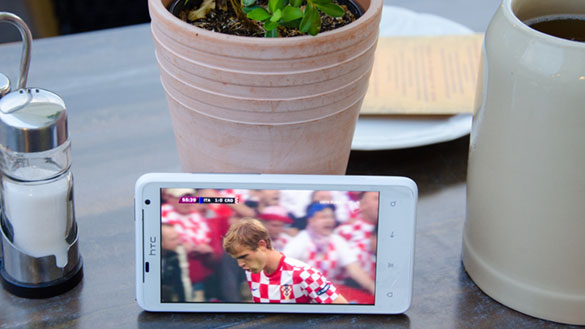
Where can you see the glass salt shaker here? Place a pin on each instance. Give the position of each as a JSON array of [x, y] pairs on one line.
[[40, 255]]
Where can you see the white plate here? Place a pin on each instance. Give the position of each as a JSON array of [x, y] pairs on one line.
[[395, 132]]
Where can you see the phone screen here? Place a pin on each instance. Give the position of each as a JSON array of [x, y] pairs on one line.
[[268, 246]]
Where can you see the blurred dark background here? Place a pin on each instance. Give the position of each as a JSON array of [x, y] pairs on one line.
[[47, 18]]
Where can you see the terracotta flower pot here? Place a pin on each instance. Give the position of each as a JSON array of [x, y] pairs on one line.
[[244, 104]]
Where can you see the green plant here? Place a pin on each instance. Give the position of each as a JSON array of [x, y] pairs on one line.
[[288, 13]]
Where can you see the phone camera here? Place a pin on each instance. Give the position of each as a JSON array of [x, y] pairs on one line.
[[147, 202]]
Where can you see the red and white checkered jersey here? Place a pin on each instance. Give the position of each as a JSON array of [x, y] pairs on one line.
[[192, 227], [281, 242], [353, 206], [292, 282], [330, 259], [358, 235]]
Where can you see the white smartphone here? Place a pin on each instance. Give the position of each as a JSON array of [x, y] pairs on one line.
[[274, 243]]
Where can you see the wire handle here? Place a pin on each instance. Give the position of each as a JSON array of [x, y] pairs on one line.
[[26, 44]]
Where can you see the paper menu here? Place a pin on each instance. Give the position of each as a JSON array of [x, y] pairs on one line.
[[432, 75]]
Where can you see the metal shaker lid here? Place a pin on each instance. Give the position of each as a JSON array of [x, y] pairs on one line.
[[32, 120]]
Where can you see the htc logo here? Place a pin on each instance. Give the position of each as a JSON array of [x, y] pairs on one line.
[[152, 246]]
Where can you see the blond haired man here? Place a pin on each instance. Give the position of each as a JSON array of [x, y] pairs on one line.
[[273, 277]]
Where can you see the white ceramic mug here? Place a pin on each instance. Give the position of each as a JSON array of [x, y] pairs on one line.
[[524, 235]]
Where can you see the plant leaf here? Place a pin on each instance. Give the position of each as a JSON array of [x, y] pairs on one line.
[[249, 9], [292, 24], [315, 18], [272, 33], [276, 16], [296, 3], [259, 14], [248, 3], [291, 13], [331, 9], [273, 5], [269, 25], [306, 22]]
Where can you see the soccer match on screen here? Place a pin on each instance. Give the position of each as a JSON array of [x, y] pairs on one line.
[[268, 246]]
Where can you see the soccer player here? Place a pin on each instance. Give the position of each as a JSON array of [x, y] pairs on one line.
[[272, 277]]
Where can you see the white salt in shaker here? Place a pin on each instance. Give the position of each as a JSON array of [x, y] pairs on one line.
[[39, 232]]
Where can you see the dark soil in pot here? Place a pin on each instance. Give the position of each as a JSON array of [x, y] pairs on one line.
[[225, 21]]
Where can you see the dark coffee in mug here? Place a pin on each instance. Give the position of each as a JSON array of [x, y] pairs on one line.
[[570, 27]]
